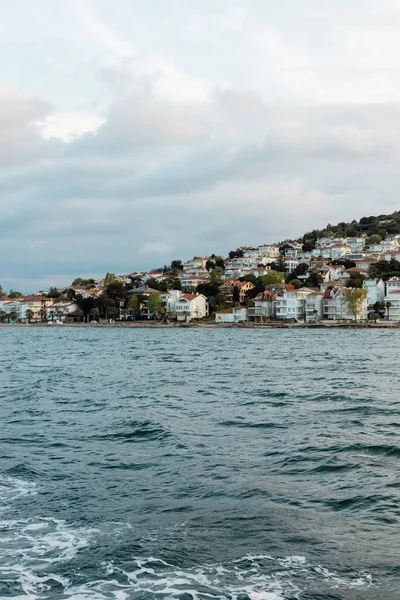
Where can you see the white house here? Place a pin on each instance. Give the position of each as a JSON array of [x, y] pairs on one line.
[[59, 311], [335, 306], [11, 306], [314, 306], [232, 315], [291, 305], [392, 299], [191, 306], [195, 266], [375, 289], [190, 282]]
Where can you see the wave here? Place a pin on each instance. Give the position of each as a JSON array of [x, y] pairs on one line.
[[136, 431]]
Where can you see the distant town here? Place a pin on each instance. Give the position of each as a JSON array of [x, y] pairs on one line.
[[320, 277]]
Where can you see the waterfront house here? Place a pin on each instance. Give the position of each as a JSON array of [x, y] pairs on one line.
[[313, 306], [263, 309], [291, 304], [191, 306], [392, 299], [60, 311], [236, 314], [335, 307]]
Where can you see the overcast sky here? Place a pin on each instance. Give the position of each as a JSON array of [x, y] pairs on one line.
[[133, 132]]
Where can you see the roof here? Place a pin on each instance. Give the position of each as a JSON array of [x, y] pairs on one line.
[[145, 289], [189, 297]]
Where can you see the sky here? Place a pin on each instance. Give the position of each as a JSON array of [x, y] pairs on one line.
[[134, 132]]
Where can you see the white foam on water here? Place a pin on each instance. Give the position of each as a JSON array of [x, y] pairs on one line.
[[12, 488], [253, 577], [30, 548]]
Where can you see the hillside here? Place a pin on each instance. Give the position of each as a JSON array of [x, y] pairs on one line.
[[382, 225]]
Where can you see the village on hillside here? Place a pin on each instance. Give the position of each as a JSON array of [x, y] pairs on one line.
[[334, 278]]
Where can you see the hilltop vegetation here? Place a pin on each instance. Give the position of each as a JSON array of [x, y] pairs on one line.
[[375, 227]]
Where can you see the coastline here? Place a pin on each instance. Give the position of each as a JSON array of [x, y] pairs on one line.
[[210, 325]]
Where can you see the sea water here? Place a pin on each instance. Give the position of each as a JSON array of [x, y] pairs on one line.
[[199, 464]]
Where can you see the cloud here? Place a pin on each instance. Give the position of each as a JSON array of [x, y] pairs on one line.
[[141, 133], [156, 248]]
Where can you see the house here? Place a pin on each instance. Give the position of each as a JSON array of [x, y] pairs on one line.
[[169, 300], [10, 306], [291, 304], [191, 306], [263, 309], [392, 299], [190, 282], [236, 314], [227, 289], [195, 266], [37, 305], [314, 306], [59, 311], [335, 306], [365, 262], [143, 293], [290, 264], [375, 289]]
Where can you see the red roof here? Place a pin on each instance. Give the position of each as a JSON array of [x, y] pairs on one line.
[[189, 297]]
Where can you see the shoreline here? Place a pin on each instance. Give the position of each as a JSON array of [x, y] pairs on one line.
[[211, 325]]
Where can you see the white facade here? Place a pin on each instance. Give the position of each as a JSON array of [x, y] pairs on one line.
[[335, 306], [195, 266], [191, 306], [263, 308], [59, 311], [392, 299], [313, 306], [10, 306], [375, 289], [291, 305], [236, 314]]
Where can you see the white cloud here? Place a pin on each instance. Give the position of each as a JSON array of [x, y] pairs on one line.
[[69, 127], [156, 248]]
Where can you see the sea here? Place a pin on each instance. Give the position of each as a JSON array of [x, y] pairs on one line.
[[199, 464]]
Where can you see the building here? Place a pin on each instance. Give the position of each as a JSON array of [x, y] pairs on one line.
[[195, 266], [60, 311], [335, 307], [263, 309], [191, 306], [237, 314], [227, 289], [392, 299], [189, 283], [314, 306], [375, 289], [291, 304], [37, 305]]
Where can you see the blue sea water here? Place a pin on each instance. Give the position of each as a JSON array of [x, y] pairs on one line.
[[199, 464]]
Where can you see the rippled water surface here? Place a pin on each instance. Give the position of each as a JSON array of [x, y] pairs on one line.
[[199, 464]]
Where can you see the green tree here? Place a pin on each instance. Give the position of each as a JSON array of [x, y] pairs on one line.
[[116, 291], [14, 294], [43, 312], [235, 295], [354, 299], [374, 239], [29, 315], [133, 306], [94, 313], [53, 293], [2, 292], [176, 265], [210, 265], [154, 304], [109, 278], [216, 276], [238, 253], [77, 314], [272, 277]]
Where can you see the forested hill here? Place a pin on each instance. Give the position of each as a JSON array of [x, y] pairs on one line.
[[382, 225]]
